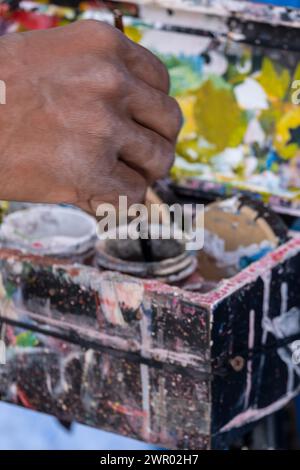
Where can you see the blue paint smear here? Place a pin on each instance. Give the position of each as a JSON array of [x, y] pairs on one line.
[[296, 225], [272, 157], [247, 260], [281, 3]]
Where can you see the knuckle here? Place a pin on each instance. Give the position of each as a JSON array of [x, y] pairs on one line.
[[98, 30], [177, 114], [163, 160], [116, 85], [164, 74], [139, 193], [169, 157], [174, 118], [89, 26]]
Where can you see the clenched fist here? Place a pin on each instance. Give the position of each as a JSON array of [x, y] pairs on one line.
[[87, 117]]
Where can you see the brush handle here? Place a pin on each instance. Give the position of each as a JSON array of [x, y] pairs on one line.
[[118, 18]]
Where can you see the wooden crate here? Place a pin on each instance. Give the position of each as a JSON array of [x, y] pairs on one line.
[[146, 360]]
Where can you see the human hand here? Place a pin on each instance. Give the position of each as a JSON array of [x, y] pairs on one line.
[[87, 117]]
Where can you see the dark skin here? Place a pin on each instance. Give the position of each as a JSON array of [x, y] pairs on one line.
[[87, 117]]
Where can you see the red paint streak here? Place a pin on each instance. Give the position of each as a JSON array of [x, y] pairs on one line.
[[73, 272], [97, 302], [276, 256], [226, 287], [251, 273], [37, 260], [33, 20], [4, 8], [99, 313], [37, 245], [24, 399], [125, 410], [111, 303], [10, 335]]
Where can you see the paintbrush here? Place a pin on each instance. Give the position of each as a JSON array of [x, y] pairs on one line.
[[145, 243], [118, 19]]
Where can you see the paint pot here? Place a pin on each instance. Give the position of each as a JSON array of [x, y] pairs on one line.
[[171, 262], [50, 230], [238, 232]]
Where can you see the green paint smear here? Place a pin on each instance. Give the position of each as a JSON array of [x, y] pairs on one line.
[[183, 79], [27, 340], [10, 289]]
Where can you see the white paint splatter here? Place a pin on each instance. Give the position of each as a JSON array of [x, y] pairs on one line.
[[249, 362], [215, 247], [62, 385], [254, 133], [251, 95], [146, 401], [266, 278], [251, 414], [114, 294]]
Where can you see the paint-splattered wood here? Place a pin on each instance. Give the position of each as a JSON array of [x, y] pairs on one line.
[[147, 360], [248, 327], [106, 350]]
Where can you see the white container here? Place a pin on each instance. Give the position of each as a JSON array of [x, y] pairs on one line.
[[50, 230]]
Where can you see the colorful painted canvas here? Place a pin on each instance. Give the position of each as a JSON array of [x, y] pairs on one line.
[[242, 120]]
